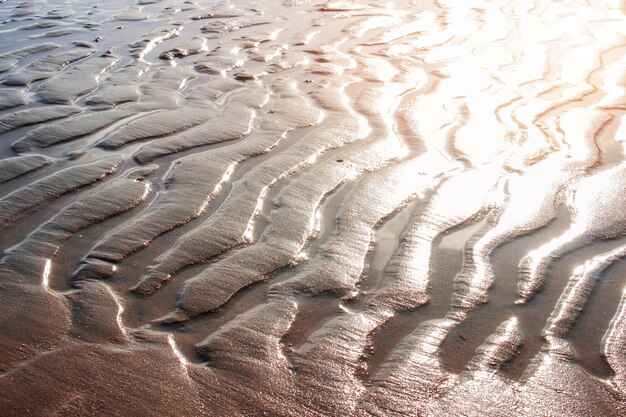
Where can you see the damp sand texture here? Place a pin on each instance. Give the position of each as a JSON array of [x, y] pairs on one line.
[[309, 208]]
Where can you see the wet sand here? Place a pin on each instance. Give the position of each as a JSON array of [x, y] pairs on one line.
[[312, 208]]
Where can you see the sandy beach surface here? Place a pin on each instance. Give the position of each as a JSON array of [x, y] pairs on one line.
[[309, 208]]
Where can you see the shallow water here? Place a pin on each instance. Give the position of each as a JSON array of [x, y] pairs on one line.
[[312, 208]]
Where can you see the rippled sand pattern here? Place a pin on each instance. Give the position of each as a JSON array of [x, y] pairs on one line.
[[306, 208]]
